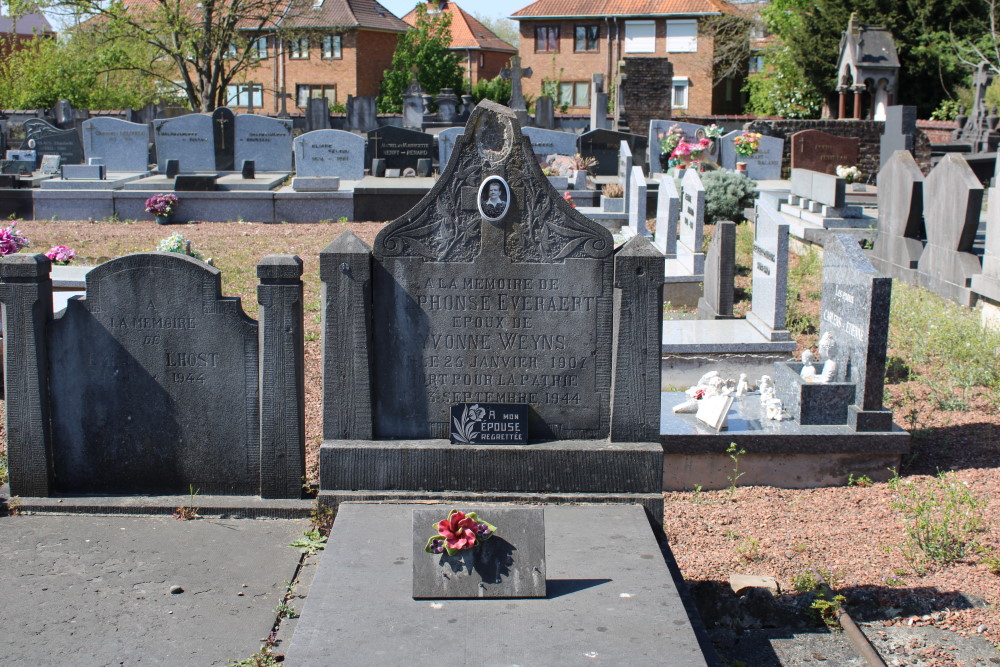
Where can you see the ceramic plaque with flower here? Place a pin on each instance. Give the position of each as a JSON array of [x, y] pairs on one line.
[[459, 532]]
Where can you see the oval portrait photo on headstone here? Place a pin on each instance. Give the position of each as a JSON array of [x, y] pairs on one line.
[[494, 198]]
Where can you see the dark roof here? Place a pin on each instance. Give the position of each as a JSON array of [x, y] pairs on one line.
[[574, 8], [343, 14], [875, 47], [29, 24], [466, 31]]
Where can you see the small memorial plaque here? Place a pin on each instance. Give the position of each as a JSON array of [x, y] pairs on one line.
[[489, 424], [50, 164], [509, 563]]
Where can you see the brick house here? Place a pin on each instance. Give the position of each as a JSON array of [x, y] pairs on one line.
[[331, 49], [567, 41], [15, 32], [483, 53]]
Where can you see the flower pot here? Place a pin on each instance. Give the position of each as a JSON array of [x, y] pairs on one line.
[[741, 167], [578, 179], [664, 162], [163, 219], [612, 204]]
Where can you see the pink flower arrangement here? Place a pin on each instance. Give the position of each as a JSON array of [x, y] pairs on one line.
[[160, 205], [12, 240], [460, 531], [687, 151], [60, 254], [569, 198]]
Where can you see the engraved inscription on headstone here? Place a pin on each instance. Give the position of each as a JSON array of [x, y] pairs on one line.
[[489, 424], [324, 153], [44, 138], [124, 146], [821, 151], [266, 141], [187, 139], [400, 148], [770, 274], [765, 164]]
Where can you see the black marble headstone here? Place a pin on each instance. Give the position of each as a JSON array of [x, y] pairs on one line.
[[399, 148], [194, 183], [604, 145], [224, 131], [46, 139], [173, 168], [249, 169]]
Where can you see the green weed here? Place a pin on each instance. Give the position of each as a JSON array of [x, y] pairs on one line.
[[4, 472], [734, 453], [941, 517], [861, 480], [804, 283], [310, 542], [749, 549], [263, 658], [189, 511]]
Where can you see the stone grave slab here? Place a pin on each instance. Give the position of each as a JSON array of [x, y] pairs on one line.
[[224, 134], [821, 151], [953, 201], [692, 223], [637, 203], [668, 211], [187, 139], [544, 112], [446, 144], [122, 145], [605, 145], [901, 233], [325, 153], [47, 139], [266, 141], [549, 142], [510, 564], [764, 165], [400, 148], [717, 298], [770, 274], [610, 593]]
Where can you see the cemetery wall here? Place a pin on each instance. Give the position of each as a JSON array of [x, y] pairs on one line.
[[938, 131]]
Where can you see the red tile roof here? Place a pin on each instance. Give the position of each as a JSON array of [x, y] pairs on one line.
[[344, 14], [466, 31], [573, 8]]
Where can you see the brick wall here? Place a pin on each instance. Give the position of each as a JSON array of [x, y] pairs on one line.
[[375, 51], [938, 131], [646, 91]]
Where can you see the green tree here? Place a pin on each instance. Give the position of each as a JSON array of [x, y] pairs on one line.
[[503, 28], [424, 48], [810, 31], [496, 89]]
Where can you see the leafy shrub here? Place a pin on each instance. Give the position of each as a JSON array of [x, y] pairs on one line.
[[941, 516], [496, 89], [726, 195]]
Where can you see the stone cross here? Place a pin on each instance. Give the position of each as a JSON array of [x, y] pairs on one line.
[[514, 74], [222, 129], [283, 96]]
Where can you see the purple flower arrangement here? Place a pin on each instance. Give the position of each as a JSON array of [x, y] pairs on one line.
[[60, 254], [161, 205], [12, 240]]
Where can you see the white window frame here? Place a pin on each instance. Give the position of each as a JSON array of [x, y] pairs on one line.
[[640, 37], [682, 36], [332, 47], [262, 49], [680, 83], [298, 48]]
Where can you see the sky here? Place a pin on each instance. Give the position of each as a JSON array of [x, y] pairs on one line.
[[495, 8]]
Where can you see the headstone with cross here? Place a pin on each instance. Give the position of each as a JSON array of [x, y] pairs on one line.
[[224, 130], [283, 96], [514, 74]]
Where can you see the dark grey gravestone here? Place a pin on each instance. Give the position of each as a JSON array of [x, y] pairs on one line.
[[266, 141], [901, 233], [318, 114], [413, 109], [987, 283], [544, 112], [326, 153], [400, 148], [187, 139], [549, 142], [173, 168], [625, 172], [765, 164], [813, 403], [598, 104], [44, 138], [637, 203], [605, 146], [953, 204], [716, 302], [378, 167], [361, 114], [64, 114], [770, 274], [195, 183], [446, 143], [248, 169], [898, 132], [423, 167], [447, 104], [448, 279], [124, 146], [692, 223], [224, 133], [635, 410], [668, 211], [855, 311], [511, 564]]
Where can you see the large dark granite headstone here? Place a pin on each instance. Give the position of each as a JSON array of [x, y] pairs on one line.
[[821, 151], [901, 233], [46, 139], [152, 383], [224, 133], [604, 145], [717, 299], [400, 148], [361, 114], [954, 203]]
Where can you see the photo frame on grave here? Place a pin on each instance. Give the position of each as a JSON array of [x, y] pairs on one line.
[[494, 202]]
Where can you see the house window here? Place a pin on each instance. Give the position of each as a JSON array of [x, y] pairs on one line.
[[482, 59], [547, 39], [239, 95], [331, 47], [232, 53], [261, 46], [682, 36], [306, 91], [679, 99], [585, 38], [640, 37], [574, 93], [756, 64], [298, 48]]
